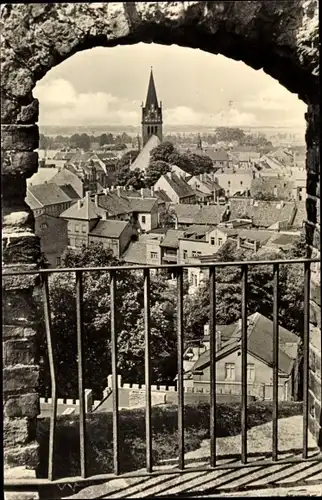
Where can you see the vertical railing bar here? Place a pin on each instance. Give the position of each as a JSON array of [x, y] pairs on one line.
[[275, 362], [244, 366], [306, 333], [80, 362], [212, 334], [180, 367], [53, 416], [147, 341], [116, 454]]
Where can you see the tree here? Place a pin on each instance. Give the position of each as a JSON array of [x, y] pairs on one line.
[[97, 327], [127, 177], [127, 159], [259, 292], [155, 170], [162, 152], [80, 141]]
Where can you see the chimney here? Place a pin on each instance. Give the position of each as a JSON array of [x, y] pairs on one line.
[[79, 204], [206, 330], [96, 200], [112, 188], [240, 324], [200, 177], [175, 221], [142, 192], [88, 400], [87, 194], [152, 191], [118, 189]]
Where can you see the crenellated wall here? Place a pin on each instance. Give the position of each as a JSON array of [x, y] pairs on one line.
[[279, 37]]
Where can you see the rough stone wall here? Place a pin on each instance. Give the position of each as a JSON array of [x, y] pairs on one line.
[[313, 232], [280, 37]]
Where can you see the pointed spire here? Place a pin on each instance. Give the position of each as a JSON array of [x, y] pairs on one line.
[[151, 98]]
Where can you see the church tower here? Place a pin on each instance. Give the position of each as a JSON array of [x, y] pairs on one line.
[[151, 114]]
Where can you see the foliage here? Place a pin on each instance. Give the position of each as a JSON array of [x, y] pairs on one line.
[[127, 159], [127, 177], [81, 141], [155, 170], [259, 292], [97, 328], [162, 152], [132, 434]]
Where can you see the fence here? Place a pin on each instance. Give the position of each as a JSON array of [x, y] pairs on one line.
[[178, 269]]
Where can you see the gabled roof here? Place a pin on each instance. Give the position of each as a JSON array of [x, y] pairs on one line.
[[142, 204], [263, 213], [142, 160], [254, 234], [162, 195], [70, 191], [45, 195], [84, 209], [259, 344], [109, 228], [195, 214], [43, 175], [180, 186], [135, 253], [171, 239], [114, 204]]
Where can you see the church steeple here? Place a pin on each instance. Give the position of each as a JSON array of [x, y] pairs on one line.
[[151, 113]]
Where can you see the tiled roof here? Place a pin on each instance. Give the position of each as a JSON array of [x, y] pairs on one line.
[[195, 214], [180, 186], [253, 234], [260, 343], [86, 211], [301, 214], [43, 175], [162, 195], [136, 253], [171, 239], [263, 213], [46, 194], [245, 155], [109, 228], [70, 191], [220, 155], [114, 204], [142, 204], [284, 239], [142, 160], [64, 155]]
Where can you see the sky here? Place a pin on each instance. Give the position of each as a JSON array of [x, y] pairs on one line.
[[107, 85]]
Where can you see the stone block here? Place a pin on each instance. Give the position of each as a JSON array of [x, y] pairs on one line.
[[21, 495], [19, 137], [23, 163], [311, 210], [18, 308], [27, 456], [29, 113], [311, 183], [20, 378], [315, 314], [22, 351], [314, 384], [23, 252], [18, 431], [315, 292], [23, 405]]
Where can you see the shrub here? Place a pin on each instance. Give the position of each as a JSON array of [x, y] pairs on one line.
[[164, 419]]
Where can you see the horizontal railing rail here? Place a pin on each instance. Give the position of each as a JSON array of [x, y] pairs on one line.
[[179, 269]]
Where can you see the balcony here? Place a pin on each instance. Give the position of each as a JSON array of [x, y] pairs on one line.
[[213, 462]]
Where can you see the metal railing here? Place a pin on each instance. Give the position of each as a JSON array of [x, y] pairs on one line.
[[179, 270]]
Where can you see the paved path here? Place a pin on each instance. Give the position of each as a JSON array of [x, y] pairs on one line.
[[273, 480]]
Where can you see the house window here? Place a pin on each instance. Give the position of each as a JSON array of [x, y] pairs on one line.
[[251, 372], [227, 192], [77, 228], [212, 241], [58, 261], [185, 254], [84, 228], [154, 255], [241, 183], [143, 219], [219, 242], [229, 183], [44, 225], [230, 371]]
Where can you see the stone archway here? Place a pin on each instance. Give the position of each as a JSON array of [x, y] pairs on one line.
[[280, 37]]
